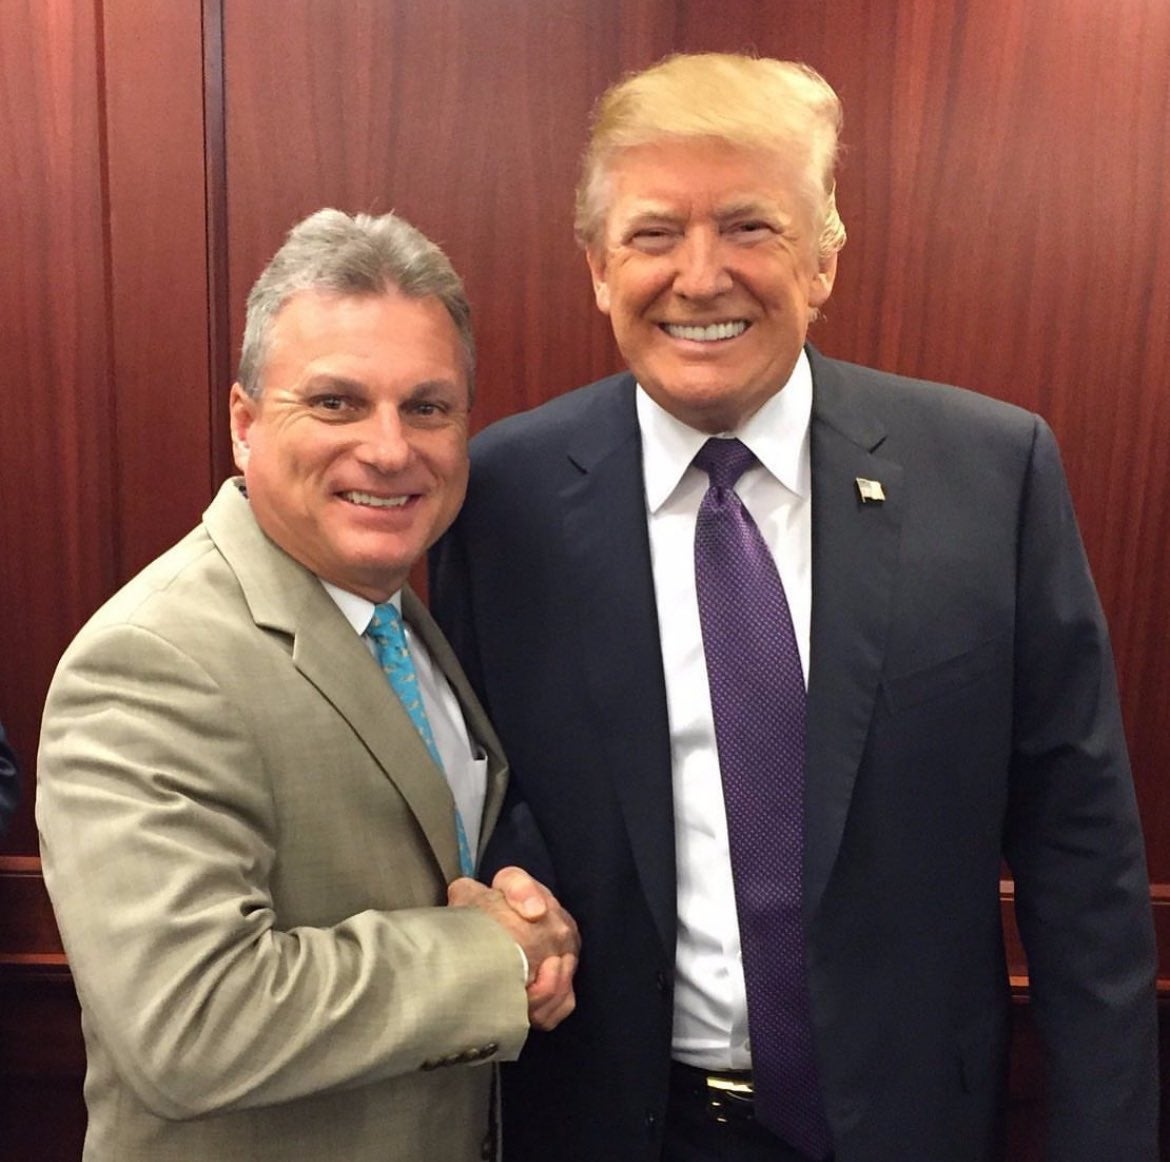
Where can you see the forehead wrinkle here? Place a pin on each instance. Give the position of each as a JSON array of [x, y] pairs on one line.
[[748, 206], [658, 209]]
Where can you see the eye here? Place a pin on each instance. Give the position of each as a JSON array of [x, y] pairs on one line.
[[427, 412], [334, 405], [652, 239], [751, 230]]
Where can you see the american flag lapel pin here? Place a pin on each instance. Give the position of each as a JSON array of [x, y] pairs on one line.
[[870, 491]]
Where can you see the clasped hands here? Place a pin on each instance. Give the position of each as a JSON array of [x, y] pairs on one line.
[[544, 930]]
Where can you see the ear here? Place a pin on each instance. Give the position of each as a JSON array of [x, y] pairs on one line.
[[596, 260], [822, 283], [242, 409]]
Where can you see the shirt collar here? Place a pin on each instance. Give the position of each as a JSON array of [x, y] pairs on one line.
[[777, 434], [357, 610]]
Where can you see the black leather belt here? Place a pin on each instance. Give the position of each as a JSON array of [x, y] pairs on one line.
[[727, 1095]]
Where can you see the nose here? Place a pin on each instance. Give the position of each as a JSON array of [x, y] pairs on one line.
[[702, 268], [383, 442]]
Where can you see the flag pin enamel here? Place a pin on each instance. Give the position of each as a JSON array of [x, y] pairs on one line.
[[870, 491]]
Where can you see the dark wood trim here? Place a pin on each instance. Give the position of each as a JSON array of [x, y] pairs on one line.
[[219, 344], [113, 553], [28, 929]]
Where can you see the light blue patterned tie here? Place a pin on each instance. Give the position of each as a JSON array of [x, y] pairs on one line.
[[389, 637]]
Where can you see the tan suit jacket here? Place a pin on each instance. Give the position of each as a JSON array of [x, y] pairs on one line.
[[247, 847]]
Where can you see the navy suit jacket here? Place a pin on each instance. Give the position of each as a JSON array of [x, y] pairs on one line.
[[9, 782], [962, 710]]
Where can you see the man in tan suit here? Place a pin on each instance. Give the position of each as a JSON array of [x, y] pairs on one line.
[[257, 852]]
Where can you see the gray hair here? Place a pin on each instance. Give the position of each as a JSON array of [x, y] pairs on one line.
[[332, 252]]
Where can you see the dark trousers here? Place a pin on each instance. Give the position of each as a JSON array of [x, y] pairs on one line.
[[693, 1134]]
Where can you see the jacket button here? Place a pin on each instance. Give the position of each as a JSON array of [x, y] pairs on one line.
[[660, 981]]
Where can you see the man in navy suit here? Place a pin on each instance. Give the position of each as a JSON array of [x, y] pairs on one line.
[[961, 702], [9, 781]]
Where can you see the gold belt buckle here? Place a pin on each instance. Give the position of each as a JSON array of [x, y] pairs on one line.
[[730, 1086], [730, 1097]]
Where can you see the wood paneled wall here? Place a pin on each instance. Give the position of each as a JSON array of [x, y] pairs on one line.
[[1005, 185]]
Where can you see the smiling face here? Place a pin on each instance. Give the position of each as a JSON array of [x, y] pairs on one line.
[[707, 269], [355, 454]]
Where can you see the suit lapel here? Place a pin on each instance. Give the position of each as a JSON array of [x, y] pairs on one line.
[[607, 545], [474, 717], [286, 599], [855, 549]]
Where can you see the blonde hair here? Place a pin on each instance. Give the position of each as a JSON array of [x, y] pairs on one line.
[[754, 102]]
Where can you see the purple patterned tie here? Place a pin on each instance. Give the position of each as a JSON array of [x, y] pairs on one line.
[[757, 696]]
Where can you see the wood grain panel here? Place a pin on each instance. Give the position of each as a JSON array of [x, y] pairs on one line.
[[373, 113], [158, 273], [105, 404], [58, 546], [56, 550]]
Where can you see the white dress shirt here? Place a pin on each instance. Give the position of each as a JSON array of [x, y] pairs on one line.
[[710, 1007], [464, 766]]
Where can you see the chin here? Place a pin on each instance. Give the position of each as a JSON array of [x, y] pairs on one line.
[[714, 403]]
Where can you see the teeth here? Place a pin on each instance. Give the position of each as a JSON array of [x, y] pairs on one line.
[[368, 498], [708, 334]]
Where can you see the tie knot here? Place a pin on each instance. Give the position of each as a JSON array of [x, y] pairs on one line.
[[386, 625], [724, 461]]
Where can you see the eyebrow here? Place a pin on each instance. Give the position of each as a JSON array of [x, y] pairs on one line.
[[339, 383], [742, 208], [652, 213], [344, 385], [429, 386]]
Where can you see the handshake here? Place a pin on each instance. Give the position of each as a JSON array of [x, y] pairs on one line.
[[545, 932]]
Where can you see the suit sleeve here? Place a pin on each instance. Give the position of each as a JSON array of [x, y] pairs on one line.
[[161, 849], [9, 782], [1075, 846]]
